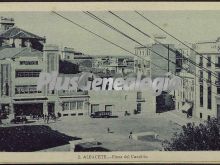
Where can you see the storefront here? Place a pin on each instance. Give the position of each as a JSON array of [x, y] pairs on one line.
[[28, 109]]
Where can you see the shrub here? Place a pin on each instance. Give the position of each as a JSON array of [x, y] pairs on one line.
[[205, 136]]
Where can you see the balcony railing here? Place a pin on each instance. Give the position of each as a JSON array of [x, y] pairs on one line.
[[72, 93], [140, 99]]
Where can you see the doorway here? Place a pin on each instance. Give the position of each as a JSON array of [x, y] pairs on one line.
[[51, 108], [218, 113]]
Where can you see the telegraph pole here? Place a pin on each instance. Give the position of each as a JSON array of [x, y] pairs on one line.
[[168, 47]]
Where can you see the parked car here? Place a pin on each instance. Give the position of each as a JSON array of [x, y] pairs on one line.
[[101, 114], [19, 119]]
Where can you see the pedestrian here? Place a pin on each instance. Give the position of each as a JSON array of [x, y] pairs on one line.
[[108, 130], [48, 118], [58, 114], [130, 136], [45, 118], [54, 117]]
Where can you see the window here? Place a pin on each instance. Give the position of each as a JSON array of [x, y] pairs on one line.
[[200, 76], [200, 115], [139, 95], [26, 89], [139, 107], [108, 108], [27, 73], [209, 61], [218, 90], [209, 118], [200, 61], [28, 62], [201, 73], [51, 62], [218, 60], [66, 106], [201, 96], [209, 97], [73, 105], [209, 76], [79, 105], [94, 108]]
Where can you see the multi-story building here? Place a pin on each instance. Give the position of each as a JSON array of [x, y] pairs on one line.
[[143, 64], [155, 66], [23, 56], [185, 96], [207, 79], [20, 69], [114, 64], [120, 101], [111, 67], [152, 53]]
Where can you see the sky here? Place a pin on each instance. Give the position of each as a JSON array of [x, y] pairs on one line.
[[189, 26]]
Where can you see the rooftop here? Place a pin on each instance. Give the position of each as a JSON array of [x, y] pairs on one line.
[[19, 52], [16, 32]]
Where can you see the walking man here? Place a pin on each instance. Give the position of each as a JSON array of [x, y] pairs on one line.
[[130, 136]]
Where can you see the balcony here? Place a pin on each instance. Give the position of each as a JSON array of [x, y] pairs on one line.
[[72, 93], [140, 100], [201, 80], [208, 64], [208, 81], [217, 65], [217, 83], [200, 64]]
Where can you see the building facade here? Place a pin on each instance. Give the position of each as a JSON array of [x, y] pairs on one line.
[[20, 71], [24, 55], [185, 96], [207, 81]]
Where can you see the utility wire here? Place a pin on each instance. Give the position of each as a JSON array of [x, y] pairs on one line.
[[97, 35], [171, 35], [110, 26], [76, 24], [122, 33], [164, 45], [147, 36]]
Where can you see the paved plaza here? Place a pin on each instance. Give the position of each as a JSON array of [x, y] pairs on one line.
[[118, 140]]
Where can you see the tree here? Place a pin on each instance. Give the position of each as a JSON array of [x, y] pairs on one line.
[[205, 136]]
